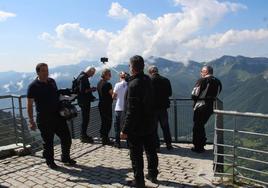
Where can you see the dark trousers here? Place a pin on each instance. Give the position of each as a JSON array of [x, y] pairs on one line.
[[201, 116], [136, 146], [106, 120], [49, 126], [117, 125], [162, 118], [85, 119]]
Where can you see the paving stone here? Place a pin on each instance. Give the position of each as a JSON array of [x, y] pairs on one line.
[[99, 166]]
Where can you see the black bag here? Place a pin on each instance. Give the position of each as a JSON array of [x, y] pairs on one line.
[[67, 110]]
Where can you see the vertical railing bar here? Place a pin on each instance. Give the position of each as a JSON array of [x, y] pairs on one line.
[[175, 121], [234, 149], [14, 120], [21, 121]]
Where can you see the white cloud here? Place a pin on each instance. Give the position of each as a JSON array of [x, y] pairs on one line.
[[229, 38], [5, 15], [55, 75], [119, 12], [173, 35]]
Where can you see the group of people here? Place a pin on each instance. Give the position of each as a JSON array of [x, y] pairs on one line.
[[141, 103]]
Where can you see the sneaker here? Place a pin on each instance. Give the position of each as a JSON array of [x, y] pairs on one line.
[[151, 178], [87, 139], [198, 150], [52, 165], [68, 161], [170, 147]]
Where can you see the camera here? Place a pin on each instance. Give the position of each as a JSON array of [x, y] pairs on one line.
[[104, 59]]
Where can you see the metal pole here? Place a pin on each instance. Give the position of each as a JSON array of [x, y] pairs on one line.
[[219, 137], [175, 121], [14, 120], [21, 122], [234, 151], [72, 128]]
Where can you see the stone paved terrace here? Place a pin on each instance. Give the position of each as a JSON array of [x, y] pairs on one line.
[[106, 166]]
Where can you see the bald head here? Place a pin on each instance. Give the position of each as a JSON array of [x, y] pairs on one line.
[[153, 70]]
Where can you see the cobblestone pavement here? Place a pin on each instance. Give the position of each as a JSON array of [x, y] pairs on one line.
[[106, 166]]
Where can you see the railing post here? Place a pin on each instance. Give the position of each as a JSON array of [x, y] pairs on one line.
[[175, 121], [234, 151], [72, 128], [219, 138], [21, 122], [14, 120]]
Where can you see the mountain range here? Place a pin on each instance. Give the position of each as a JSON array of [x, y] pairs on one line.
[[244, 79]]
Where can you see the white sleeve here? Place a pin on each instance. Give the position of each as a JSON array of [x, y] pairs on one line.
[[116, 88]]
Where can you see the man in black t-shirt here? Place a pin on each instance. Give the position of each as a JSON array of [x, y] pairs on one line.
[[105, 92], [44, 93], [204, 93], [84, 98]]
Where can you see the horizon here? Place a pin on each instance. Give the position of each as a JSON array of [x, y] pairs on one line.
[[101, 66], [177, 30]]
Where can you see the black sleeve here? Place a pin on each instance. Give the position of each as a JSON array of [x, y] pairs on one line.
[[31, 91], [169, 88]]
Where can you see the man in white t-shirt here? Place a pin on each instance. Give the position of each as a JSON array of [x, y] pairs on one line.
[[119, 94]]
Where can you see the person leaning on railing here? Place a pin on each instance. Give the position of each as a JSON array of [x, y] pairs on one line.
[[44, 93], [204, 93]]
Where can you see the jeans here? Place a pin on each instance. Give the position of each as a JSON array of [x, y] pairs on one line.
[[117, 125]]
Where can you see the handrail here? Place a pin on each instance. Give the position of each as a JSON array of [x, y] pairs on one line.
[[246, 114], [237, 147]]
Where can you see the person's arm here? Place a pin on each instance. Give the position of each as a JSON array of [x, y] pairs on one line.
[[169, 88], [114, 94], [197, 90], [32, 124], [132, 107]]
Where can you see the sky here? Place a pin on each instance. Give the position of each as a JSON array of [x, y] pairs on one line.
[[66, 32]]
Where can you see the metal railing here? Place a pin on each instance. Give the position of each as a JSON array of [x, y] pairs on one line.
[[241, 153], [14, 128]]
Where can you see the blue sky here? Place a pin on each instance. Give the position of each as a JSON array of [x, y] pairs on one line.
[[68, 31]]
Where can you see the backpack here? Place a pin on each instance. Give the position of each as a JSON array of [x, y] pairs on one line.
[[75, 85]]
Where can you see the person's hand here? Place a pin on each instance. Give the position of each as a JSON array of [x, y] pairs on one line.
[[32, 125], [123, 135], [93, 89]]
